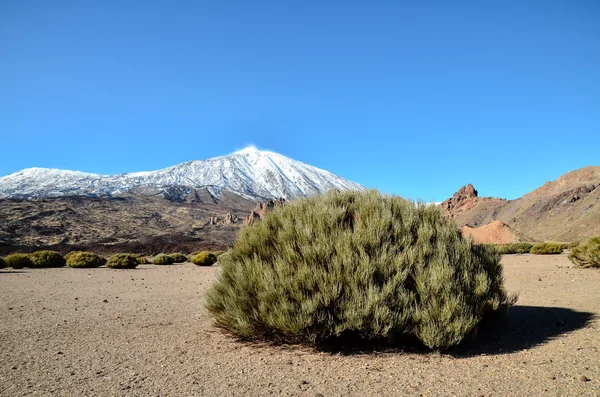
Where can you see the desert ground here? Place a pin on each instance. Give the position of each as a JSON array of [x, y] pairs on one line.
[[144, 332]]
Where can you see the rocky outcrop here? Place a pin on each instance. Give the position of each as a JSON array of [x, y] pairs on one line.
[[261, 209], [126, 224], [465, 197], [230, 219]]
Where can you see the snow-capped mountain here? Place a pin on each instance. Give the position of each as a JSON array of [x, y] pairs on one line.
[[251, 173]]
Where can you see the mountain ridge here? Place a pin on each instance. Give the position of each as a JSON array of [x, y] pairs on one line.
[[251, 173]]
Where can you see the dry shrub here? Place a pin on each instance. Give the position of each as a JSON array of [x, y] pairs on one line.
[[204, 258], [586, 254], [81, 259], [163, 259], [358, 265], [142, 260], [123, 261], [178, 257], [47, 259], [18, 261], [514, 248], [547, 248]]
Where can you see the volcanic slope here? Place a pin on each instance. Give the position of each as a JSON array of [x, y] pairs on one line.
[[254, 174], [131, 223], [567, 209]]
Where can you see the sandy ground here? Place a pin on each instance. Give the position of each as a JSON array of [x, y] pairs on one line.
[[144, 332]]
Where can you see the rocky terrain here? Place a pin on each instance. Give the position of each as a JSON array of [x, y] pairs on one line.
[[129, 223], [567, 209]]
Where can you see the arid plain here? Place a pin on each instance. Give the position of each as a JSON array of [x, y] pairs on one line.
[[142, 332]]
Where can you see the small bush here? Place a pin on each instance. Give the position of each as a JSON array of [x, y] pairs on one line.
[[68, 255], [357, 265], [568, 246], [178, 258], [123, 261], [163, 259], [3, 263], [219, 253], [47, 259], [18, 261], [142, 260], [204, 258], [586, 254], [547, 248], [514, 248], [81, 259]]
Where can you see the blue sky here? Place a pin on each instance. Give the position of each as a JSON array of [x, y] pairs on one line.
[[413, 98]]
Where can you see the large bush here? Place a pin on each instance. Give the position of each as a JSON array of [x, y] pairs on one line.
[[81, 259], [356, 264], [163, 259], [203, 258], [122, 261], [586, 254], [547, 248], [3, 263], [18, 261], [178, 258], [47, 259]]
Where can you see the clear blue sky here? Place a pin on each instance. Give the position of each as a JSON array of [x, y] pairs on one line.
[[413, 98]]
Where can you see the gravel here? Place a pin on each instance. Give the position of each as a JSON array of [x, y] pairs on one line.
[[144, 332]]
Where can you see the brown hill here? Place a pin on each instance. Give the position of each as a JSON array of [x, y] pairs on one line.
[[496, 232], [567, 209]]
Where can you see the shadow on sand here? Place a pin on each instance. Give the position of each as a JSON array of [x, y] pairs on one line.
[[524, 327]]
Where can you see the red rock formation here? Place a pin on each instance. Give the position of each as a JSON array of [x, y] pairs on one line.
[[465, 197]]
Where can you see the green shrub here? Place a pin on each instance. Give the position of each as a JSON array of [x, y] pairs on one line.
[[178, 258], [204, 258], [163, 259], [123, 261], [514, 248], [547, 248], [18, 261], [586, 254], [47, 259], [3, 263], [81, 259], [358, 265], [219, 253]]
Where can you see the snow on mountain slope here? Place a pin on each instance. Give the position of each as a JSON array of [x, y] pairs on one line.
[[250, 172]]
